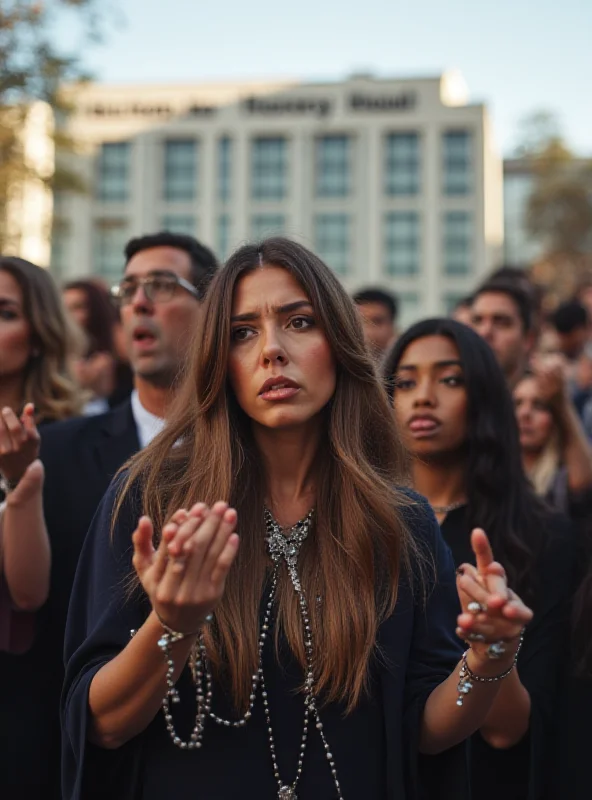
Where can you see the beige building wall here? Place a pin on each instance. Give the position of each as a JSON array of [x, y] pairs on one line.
[[453, 239], [29, 213]]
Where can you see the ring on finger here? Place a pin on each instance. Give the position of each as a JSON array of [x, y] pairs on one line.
[[496, 650], [476, 608], [474, 637]]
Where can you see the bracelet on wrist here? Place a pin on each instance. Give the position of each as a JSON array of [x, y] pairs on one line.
[[177, 636], [467, 676], [168, 638]]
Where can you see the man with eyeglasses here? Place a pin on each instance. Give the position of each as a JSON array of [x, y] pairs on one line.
[[159, 296]]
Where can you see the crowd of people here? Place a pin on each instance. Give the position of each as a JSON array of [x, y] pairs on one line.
[[257, 541]]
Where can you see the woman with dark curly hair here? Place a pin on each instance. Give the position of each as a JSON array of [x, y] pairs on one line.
[[457, 417]]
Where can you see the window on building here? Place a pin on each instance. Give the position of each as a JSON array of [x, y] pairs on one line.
[[402, 164], [458, 243], [264, 225], [109, 239], [409, 309], [113, 172], [333, 166], [60, 240], [223, 232], [179, 223], [457, 162], [402, 243], [332, 241], [224, 169], [269, 168], [180, 170]]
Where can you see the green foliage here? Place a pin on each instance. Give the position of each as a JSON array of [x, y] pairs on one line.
[[559, 212], [33, 68]]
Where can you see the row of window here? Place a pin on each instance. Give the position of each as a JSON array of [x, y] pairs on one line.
[[333, 240], [333, 167]]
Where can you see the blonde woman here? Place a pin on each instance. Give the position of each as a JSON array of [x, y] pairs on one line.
[[36, 386], [555, 450], [36, 344]]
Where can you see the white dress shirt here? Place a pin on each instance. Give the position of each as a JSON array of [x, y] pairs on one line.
[[147, 424]]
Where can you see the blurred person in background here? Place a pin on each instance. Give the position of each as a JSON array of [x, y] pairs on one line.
[[573, 329], [462, 310], [502, 314], [518, 276], [25, 562], [584, 294], [556, 453], [379, 310], [37, 347], [572, 324], [164, 280], [37, 344], [457, 416], [100, 371]]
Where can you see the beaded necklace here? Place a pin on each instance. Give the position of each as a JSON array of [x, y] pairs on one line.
[[283, 544]]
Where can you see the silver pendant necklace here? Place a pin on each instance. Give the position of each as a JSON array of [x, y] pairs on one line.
[[447, 509], [283, 545]]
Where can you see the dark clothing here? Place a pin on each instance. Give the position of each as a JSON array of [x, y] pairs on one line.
[[80, 458], [124, 384], [521, 772], [572, 778], [375, 748], [575, 505]]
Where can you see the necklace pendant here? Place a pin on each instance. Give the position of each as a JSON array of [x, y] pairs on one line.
[[287, 793]]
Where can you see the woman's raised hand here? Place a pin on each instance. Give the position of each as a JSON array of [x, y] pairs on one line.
[[185, 577], [492, 612], [19, 442]]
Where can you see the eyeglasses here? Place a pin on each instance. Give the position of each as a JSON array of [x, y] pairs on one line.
[[160, 288]]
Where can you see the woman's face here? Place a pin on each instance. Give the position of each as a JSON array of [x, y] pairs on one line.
[[535, 420], [430, 398], [281, 367], [15, 330], [76, 302]]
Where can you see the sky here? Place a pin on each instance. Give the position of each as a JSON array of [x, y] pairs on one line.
[[517, 56]]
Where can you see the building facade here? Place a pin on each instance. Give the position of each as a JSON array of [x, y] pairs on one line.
[[394, 183], [520, 248]]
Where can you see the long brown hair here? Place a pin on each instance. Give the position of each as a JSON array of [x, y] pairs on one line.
[[359, 544], [48, 381]]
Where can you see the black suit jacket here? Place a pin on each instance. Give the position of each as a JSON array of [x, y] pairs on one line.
[[80, 456]]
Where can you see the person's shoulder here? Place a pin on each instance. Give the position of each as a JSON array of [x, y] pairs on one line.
[[420, 520], [560, 538], [417, 512], [69, 428], [84, 427]]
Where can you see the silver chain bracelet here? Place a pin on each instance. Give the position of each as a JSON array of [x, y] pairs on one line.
[[467, 676], [168, 638]]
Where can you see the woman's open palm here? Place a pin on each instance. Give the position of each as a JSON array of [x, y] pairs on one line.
[[19, 442], [185, 577]]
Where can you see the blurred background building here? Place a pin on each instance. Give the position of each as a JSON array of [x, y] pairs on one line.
[[393, 182]]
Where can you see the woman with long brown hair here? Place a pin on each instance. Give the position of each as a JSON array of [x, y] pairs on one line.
[[36, 387], [318, 658]]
